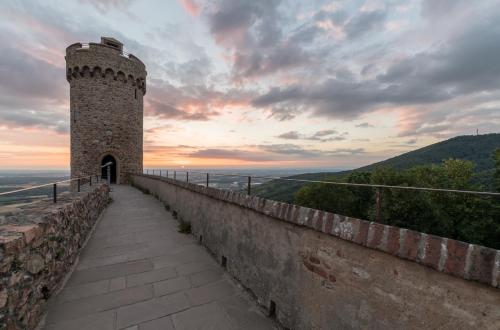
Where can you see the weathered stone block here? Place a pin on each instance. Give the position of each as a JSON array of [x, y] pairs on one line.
[[375, 235], [482, 262], [393, 241], [431, 251], [409, 248], [456, 257], [362, 234], [35, 263]]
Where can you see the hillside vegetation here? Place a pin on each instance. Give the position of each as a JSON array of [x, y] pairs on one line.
[[476, 149], [466, 217]]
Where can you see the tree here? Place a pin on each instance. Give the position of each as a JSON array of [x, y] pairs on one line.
[[496, 174], [466, 217]]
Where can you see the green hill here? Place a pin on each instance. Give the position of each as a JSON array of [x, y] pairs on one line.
[[476, 148]]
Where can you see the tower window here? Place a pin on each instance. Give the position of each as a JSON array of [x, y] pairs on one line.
[[135, 93]]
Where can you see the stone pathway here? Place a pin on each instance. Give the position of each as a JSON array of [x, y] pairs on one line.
[[137, 272]]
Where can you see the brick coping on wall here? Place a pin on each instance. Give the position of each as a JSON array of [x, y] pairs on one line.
[[464, 260]]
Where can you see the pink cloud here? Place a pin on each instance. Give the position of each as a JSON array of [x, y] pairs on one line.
[[191, 6]]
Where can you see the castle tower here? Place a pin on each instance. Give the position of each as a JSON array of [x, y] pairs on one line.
[[106, 101]]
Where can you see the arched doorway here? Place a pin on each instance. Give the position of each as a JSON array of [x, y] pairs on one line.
[[104, 171]]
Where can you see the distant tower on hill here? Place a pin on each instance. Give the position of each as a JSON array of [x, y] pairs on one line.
[[106, 101]]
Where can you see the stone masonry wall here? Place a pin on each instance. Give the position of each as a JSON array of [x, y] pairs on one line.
[[37, 249], [325, 271], [106, 101]]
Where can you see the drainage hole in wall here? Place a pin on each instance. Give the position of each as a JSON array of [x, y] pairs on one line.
[[223, 262], [272, 309]]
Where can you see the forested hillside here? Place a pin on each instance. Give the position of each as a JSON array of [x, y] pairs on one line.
[[478, 149]]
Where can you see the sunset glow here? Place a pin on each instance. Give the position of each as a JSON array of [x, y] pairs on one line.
[[327, 84]]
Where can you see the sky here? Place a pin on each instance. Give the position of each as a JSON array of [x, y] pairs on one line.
[[261, 83]]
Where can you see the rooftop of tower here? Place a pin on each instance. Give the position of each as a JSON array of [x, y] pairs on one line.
[[105, 44]]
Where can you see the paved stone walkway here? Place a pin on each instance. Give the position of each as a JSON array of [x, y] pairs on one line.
[[137, 272]]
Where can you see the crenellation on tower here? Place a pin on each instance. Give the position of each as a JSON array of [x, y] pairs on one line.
[[107, 87]]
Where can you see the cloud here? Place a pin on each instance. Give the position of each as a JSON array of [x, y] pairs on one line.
[[161, 128], [231, 20], [190, 102], [283, 112], [230, 154], [364, 125], [298, 151], [436, 9], [104, 6], [251, 31], [32, 93], [272, 152], [465, 65], [321, 136], [35, 119], [191, 6], [252, 64], [365, 22], [24, 76], [347, 100], [325, 132], [192, 72], [292, 135]]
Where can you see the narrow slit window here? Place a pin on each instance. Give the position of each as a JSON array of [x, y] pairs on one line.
[[135, 93]]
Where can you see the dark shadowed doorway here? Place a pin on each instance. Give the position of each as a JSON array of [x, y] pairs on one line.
[[104, 170]]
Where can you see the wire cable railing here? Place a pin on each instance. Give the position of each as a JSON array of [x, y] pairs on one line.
[[79, 183], [248, 180]]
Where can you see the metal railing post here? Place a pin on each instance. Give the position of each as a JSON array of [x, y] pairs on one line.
[[147, 171], [160, 172], [249, 187], [208, 178], [78, 185], [187, 176], [174, 175], [153, 172], [378, 200], [54, 192], [109, 175], [167, 173]]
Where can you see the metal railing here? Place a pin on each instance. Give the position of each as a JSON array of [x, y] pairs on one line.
[[86, 45], [378, 187], [81, 181]]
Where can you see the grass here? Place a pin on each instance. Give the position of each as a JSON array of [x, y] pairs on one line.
[[184, 227]]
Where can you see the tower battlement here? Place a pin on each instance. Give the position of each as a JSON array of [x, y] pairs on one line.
[[105, 59], [107, 87]]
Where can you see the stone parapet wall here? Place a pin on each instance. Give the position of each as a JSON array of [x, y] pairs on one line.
[[327, 271], [38, 247]]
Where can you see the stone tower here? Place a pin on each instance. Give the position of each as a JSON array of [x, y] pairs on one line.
[[106, 100]]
